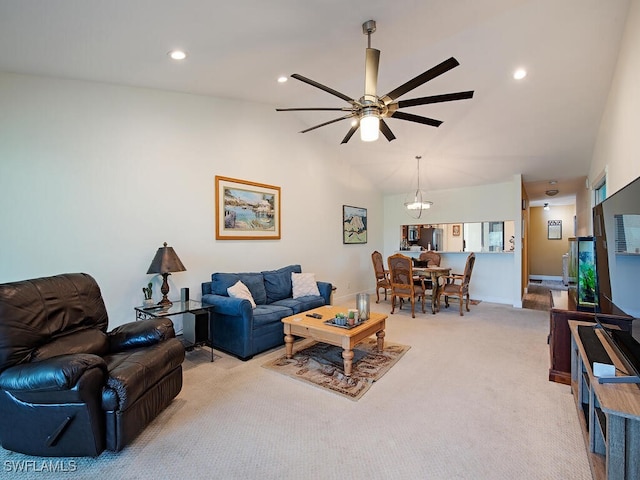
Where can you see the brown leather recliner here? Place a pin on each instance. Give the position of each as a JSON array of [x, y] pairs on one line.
[[69, 388]]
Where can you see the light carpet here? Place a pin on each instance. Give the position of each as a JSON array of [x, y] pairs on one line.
[[469, 400], [321, 365]]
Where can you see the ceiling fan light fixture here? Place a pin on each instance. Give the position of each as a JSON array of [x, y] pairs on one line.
[[369, 128], [372, 110]]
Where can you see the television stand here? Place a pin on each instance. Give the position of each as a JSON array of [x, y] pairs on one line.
[[563, 309], [609, 413]]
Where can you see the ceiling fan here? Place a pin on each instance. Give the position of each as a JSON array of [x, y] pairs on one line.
[[370, 110]]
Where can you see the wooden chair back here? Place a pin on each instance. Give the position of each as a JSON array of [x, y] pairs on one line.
[[468, 269], [401, 275], [402, 282], [458, 285], [378, 266], [432, 258]]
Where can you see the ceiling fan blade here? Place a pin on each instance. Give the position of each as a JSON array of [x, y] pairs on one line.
[[340, 109], [325, 88], [350, 133], [386, 131], [416, 118], [447, 97], [420, 79], [329, 122], [372, 61]]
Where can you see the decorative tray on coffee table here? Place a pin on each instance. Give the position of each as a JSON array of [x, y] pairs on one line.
[[332, 322]]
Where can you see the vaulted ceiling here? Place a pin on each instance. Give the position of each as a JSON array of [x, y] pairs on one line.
[[543, 126]]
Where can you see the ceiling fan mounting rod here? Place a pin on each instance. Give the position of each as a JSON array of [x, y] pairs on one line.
[[368, 28]]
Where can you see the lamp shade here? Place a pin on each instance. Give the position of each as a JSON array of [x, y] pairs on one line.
[[166, 261]]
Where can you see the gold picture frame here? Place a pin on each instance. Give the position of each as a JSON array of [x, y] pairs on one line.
[[455, 230], [246, 210]]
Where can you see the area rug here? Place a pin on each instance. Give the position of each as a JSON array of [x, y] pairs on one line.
[[537, 298], [321, 365]]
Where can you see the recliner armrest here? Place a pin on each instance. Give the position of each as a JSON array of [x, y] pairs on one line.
[[143, 333], [53, 374]]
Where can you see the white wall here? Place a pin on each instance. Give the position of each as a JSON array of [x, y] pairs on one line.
[[95, 177], [496, 276], [618, 145]]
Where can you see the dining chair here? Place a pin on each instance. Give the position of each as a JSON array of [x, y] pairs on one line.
[[382, 275], [427, 259], [432, 258], [458, 285], [403, 283]]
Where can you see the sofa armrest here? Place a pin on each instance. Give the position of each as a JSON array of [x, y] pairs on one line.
[[325, 289], [53, 374], [206, 288], [228, 305], [143, 333]]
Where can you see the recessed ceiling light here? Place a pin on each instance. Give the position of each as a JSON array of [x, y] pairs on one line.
[[177, 54], [553, 182], [282, 79], [519, 74]]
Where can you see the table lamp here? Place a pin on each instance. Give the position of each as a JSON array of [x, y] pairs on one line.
[[165, 262]]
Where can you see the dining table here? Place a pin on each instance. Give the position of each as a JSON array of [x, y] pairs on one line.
[[433, 273]]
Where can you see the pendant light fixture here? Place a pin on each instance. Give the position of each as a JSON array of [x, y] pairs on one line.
[[416, 201]]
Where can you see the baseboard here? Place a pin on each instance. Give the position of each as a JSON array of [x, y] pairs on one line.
[[552, 278]]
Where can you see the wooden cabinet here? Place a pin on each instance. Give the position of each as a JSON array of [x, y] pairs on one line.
[[609, 413], [563, 309]]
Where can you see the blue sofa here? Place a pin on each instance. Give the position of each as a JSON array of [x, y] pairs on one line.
[[243, 331]]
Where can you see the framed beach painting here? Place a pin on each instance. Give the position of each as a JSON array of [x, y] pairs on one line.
[[354, 224], [246, 210]]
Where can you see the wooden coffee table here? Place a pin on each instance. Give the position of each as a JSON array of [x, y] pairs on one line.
[[315, 328]]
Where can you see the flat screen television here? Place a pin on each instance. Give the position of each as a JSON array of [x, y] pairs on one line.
[[626, 344], [616, 228]]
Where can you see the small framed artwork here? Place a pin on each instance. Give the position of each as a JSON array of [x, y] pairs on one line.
[[246, 210], [554, 230], [354, 224], [456, 230]]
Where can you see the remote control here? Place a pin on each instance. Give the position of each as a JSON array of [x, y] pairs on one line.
[[314, 315]]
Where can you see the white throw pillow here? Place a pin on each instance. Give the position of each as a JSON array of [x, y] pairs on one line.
[[240, 290], [304, 284]]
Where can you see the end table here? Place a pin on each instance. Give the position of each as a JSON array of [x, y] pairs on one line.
[[195, 329]]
